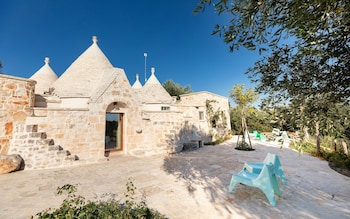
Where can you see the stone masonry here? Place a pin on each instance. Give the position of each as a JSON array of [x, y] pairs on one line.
[[16, 104], [65, 122], [37, 150]]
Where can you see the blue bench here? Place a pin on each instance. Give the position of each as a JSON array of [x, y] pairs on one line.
[[270, 158], [265, 180], [258, 135]]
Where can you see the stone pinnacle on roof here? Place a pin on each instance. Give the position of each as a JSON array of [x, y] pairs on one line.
[[47, 60], [152, 79], [45, 77], [94, 39], [137, 84]]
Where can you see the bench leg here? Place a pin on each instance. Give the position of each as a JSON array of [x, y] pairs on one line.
[[232, 184], [270, 195], [275, 185], [282, 177]]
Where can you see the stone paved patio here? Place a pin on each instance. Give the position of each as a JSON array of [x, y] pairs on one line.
[[189, 185]]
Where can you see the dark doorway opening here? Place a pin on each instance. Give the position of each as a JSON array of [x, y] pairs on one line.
[[114, 132]]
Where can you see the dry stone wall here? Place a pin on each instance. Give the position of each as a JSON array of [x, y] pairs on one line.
[[16, 104], [37, 151], [159, 132], [78, 131]]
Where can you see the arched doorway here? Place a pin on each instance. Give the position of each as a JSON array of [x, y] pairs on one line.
[[114, 128], [114, 131]]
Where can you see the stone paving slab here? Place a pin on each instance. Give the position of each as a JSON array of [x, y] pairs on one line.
[[189, 185]]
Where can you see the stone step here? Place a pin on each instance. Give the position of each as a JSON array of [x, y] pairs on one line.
[[55, 148], [44, 153], [41, 135], [72, 157], [74, 162], [32, 128], [63, 152], [45, 142]]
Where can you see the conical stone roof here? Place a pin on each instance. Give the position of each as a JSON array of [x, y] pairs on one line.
[[154, 92], [45, 77], [137, 84], [84, 74]]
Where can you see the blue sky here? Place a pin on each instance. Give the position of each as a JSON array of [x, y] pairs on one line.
[[179, 44]]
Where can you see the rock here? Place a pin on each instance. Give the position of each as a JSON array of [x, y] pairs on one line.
[[11, 163]]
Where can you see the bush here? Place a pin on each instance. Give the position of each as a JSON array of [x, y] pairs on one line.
[[337, 160], [75, 206], [244, 146]]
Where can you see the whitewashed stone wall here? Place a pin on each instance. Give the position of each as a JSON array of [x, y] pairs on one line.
[[159, 133], [193, 103]]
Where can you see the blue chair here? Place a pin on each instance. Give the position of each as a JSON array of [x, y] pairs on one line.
[[270, 158], [266, 181]]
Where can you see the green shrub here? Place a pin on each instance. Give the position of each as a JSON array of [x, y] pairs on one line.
[[75, 206], [244, 146], [339, 160], [327, 142], [222, 138], [335, 159]]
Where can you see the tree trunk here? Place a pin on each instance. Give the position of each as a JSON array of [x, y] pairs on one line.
[[318, 142], [345, 147], [306, 136], [335, 144], [243, 127], [245, 132]]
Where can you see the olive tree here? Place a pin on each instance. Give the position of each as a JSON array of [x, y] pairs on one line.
[[175, 89], [243, 98], [305, 47]]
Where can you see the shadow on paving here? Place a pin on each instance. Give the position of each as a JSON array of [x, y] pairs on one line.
[[313, 191]]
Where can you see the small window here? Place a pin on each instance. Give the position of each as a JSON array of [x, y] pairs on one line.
[[213, 123], [201, 115], [165, 107]]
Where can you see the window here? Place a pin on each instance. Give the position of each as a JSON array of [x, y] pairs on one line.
[[165, 107], [201, 115], [213, 123]]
